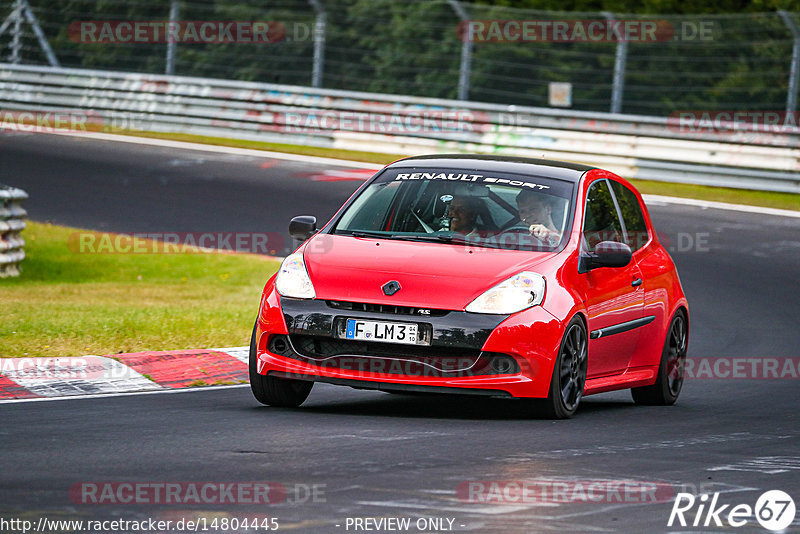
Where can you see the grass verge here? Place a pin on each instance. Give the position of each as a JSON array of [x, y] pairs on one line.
[[71, 304], [788, 201], [767, 199], [334, 153]]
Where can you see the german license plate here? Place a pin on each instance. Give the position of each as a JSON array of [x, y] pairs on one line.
[[381, 331]]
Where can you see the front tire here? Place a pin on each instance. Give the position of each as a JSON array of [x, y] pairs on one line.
[[569, 373], [671, 368], [272, 391]]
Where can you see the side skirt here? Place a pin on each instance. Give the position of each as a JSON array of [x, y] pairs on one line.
[[630, 378]]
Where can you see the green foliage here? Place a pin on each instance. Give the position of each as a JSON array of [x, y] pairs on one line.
[[414, 48], [642, 7]]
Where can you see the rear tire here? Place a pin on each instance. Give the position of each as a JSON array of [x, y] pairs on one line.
[[272, 391], [669, 381], [569, 373]]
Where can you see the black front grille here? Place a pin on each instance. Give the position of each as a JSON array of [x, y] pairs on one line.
[[410, 360], [328, 318], [323, 347], [386, 308]]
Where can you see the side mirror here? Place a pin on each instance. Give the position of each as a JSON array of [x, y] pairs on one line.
[[302, 227], [606, 254]]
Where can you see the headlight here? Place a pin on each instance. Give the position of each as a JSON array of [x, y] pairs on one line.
[[521, 291], [293, 280]]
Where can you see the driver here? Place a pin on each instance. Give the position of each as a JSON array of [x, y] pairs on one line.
[[463, 214], [536, 211]]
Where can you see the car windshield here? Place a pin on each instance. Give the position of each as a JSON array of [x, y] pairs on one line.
[[479, 208]]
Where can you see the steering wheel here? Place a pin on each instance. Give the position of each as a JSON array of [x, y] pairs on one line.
[[516, 221], [521, 229]]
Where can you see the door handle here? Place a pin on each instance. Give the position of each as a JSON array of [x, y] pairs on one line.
[[636, 282]]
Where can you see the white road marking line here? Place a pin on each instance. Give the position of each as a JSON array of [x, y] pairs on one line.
[[656, 199], [768, 465], [126, 394], [671, 444], [185, 145]]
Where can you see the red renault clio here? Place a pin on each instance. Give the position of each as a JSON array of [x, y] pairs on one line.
[[477, 275]]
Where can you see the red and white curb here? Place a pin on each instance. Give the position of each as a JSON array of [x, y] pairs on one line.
[[335, 175], [32, 378]]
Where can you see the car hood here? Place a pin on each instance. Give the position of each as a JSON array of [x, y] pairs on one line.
[[431, 275]]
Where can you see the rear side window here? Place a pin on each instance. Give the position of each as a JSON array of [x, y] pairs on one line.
[[631, 215], [602, 222]]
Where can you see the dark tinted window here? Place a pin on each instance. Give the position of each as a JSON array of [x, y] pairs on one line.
[[602, 223], [631, 215]]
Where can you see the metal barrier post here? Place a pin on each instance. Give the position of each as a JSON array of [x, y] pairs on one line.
[[174, 10], [319, 42], [794, 71], [16, 34], [620, 59], [466, 51]]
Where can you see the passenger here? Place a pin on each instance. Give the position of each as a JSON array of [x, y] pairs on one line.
[[463, 214], [536, 211]]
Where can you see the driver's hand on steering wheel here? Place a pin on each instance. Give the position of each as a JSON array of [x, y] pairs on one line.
[[543, 233]]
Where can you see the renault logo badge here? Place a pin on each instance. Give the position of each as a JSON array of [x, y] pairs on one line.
[[390, 288]]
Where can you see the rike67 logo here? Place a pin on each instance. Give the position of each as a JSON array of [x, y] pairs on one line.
[[774, 510]]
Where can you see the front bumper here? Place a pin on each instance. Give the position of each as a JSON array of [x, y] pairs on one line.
[[463, 352]]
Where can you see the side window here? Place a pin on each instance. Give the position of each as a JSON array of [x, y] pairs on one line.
[[381, 197], [601, 222], [631, 215]]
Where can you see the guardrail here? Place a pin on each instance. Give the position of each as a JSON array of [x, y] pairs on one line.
[[12, 222], [653, 148]]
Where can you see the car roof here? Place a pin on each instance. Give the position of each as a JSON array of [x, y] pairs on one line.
[[472, 162]]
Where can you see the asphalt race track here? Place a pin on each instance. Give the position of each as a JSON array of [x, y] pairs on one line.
[[356, 454]]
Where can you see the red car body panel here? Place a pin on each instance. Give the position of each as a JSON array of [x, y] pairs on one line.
[[443, 277], [448, 277]]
